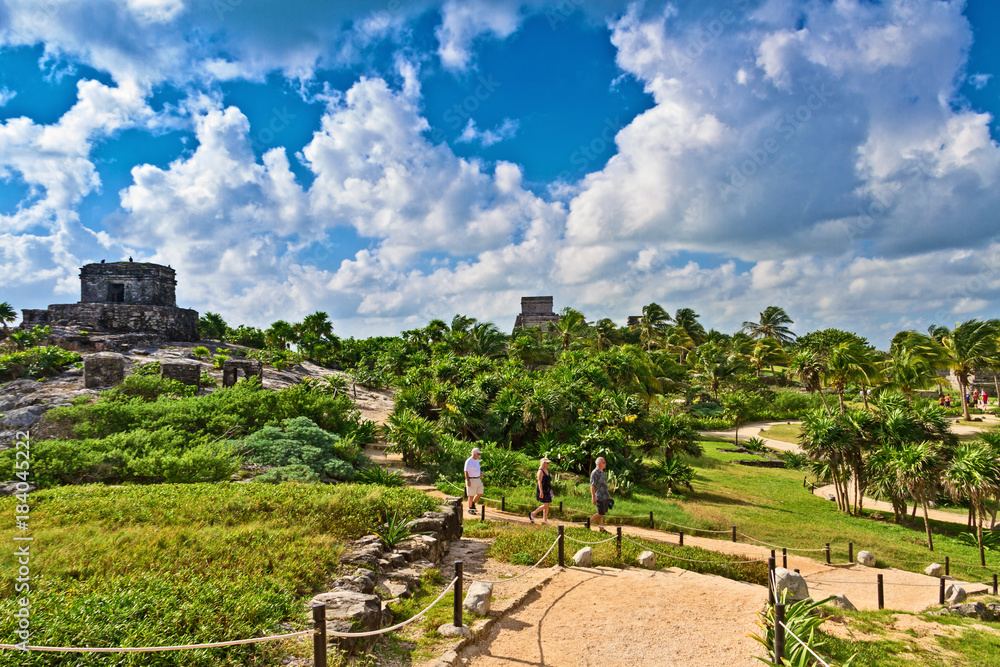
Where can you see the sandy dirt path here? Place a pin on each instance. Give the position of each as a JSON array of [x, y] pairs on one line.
[[605, 616]]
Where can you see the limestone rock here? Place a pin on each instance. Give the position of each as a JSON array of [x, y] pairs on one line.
[[7, 403], [584, 557], [432, 546], [792, 582], [841, 602], [22, 419], [364, 612], [934, 570], [10, 488], [831, 497], [954, 594], [647, 559], [356, 583], [478, 599], [20, 387], [866, 558], [974, 609], [450, 630], [393, 589]]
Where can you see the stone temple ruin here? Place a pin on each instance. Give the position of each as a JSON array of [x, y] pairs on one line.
[[122, 297], [536, 311]]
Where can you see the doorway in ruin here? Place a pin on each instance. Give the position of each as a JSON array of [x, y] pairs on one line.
[[116, 293]]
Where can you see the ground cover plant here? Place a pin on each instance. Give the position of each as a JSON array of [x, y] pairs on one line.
[[179, 564], [153, 430], [35, 362]]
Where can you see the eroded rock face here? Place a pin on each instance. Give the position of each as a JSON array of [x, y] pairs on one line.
[[22, 419]]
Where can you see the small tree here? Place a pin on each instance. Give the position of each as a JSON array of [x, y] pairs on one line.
[[212, 326], [7, 316]]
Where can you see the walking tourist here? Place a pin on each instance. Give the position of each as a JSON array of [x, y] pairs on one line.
[[599, 492], [947, 400], [543, 491], [473, 479]]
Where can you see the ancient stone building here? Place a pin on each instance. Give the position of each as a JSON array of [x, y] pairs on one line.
[[536, 311], [122, 297]]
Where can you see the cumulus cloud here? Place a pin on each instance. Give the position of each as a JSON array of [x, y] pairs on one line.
[[463, 22]]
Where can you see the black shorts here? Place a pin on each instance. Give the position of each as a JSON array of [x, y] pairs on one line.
[[544, 499], [602, 507]]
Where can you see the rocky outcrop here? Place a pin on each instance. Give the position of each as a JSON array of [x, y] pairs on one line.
[[984, 612], [357, 602]]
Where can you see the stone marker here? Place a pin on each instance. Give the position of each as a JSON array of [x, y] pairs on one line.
[[934, 570], [584, 557], [478, 599], [647, 559], [105, 369], [186, 372], [793, 582], [866, 558], [954, 594]]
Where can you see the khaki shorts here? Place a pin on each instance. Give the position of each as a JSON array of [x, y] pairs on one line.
[[474, 487]]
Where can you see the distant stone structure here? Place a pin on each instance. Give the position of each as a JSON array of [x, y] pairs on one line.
[[536, 311], [981, 379], [234, 369], [633, 320], [123, 297]]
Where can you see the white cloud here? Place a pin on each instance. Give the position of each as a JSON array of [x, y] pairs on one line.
[[980, 81], [6, 95], [471, 134], [462, 22]]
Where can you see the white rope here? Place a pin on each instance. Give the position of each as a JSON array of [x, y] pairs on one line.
[[777, 546], [371, 633], [869, 583], [715, 547], [590, 543], [487, 581], [821, 660], [151, 649], [691, 560]]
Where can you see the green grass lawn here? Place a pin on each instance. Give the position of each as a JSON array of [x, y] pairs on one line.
[[783, 432], [181, 564], [770, 505]]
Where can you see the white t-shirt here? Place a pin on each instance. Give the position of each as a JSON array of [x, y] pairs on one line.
[[472, 467]]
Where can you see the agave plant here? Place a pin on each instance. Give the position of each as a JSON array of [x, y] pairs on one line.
[[394, 530], [379, 475], [800, 619], [755, 444]]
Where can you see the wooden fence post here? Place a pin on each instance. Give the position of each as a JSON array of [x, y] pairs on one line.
[[562, 550], [881, 594], [319, 638], [779, 633], [457, 609]]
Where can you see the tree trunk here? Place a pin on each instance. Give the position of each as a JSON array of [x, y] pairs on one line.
[[864, 396], [927, 525], [840, 397], [965, 403], [825, 404]]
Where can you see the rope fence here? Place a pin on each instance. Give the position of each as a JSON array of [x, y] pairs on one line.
[[154, 649], [539, 562], [382, 631]]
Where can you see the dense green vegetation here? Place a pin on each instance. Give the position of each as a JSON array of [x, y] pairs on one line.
[[179, 564], [150, 430]]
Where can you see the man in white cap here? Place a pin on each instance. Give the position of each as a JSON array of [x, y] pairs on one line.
[[473, 479]]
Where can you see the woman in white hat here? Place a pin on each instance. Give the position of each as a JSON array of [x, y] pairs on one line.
[[543, 491]]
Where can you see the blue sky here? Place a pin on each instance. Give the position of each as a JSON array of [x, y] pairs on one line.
[[394, 162]]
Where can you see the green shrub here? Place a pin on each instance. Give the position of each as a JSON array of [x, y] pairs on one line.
[[299, 442], [292, 473], [147, 387], [35, 362], [201, 351], [151, 368], [218, 360]]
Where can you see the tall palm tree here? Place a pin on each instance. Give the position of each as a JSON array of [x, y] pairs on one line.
[[603, 333], [652, 325], [486, 340], [772, 324], [810, 369], [570, 325], [970, 345], [768, 352], [690, 332], [848, 362], [973, 473], [825, 441], [211, 325], [917, 466], [715, 366], [280, 334], [913, 363]]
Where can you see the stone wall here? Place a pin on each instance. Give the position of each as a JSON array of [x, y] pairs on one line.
[[188, 372], [233, 369], [179, 324], [137, 283]]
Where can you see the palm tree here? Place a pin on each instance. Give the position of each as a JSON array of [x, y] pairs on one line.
[[211, 325], [810, 369], [970, 345], [848, 362], [973, 473], [7, 316], [652, 325], [772, 324], [825, 440], [768, 352], [917, 466], [279, 334], [570, 325], [486, 340], [715, 366], [603, 334]]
